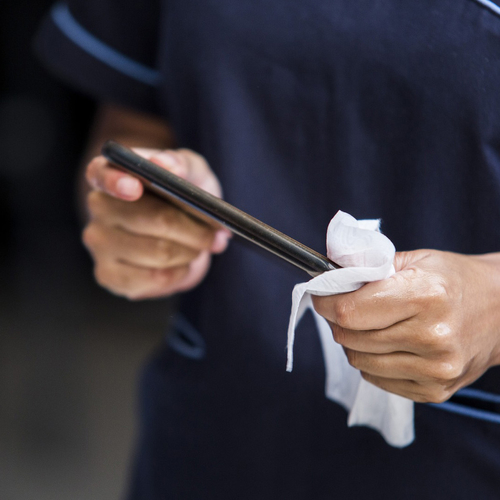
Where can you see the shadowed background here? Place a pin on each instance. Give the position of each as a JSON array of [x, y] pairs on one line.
[[70, 353]]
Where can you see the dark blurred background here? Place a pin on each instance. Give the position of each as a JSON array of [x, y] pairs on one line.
[[70, 353]]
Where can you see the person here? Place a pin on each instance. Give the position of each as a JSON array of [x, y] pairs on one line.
[[297, 109]]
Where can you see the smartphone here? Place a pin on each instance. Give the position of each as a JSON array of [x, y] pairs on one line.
[[214, 211]]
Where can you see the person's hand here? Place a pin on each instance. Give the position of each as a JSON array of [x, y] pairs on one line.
[[142, 246], [427, 331]]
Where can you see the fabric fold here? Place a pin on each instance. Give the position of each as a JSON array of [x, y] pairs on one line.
[[365, 255]]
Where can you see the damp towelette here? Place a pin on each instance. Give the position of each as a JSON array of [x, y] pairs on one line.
[[365, 255]]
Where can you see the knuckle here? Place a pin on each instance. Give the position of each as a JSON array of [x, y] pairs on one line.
[[405, 280], [419, 398], [113, 281], [447, 371], [92, 170], [437, 395], [103, 276], [169, 281], [90, 236], [204, 237], [353, 357], [132, 295], [320, 305], [95, 202], [439, 291], [439, 337], [162, 279], [207, 238], [339, 334], [343, 311], [108, 184], [173, 276], [436, 291], [164, 251], [168, 218]]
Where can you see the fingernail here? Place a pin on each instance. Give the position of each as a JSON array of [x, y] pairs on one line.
[[128, 187]]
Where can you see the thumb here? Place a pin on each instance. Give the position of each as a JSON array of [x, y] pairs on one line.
[[403, 260]]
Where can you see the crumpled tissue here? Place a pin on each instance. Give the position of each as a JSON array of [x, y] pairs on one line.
[[365, 255]]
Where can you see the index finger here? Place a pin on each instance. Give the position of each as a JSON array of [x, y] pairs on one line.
[[154, 217], [101, 175], [376, 305]]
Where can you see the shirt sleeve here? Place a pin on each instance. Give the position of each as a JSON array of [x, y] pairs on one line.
[[105, 48]]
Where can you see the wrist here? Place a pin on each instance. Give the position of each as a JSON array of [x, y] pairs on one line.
[[489, 281]]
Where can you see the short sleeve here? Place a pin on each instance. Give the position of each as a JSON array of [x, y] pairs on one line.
[[105, 48]]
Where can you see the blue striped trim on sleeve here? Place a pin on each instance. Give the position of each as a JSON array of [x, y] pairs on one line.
[[478, 394], [68, 25], [490, 5], [185, 339], [466, 411]]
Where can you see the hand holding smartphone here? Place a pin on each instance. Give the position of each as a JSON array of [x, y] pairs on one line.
[[215, 211]]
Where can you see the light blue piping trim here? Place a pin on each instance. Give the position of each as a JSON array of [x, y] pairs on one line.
[[185, 339], [89, 43], [467, 412], [480, 395], [490, 5]]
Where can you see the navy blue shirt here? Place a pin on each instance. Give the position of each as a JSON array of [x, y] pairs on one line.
[[384, 108]]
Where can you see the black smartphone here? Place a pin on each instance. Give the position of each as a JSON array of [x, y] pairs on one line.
[[215, 211]]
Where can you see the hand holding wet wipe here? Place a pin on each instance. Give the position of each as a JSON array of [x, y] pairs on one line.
[[366, 255]]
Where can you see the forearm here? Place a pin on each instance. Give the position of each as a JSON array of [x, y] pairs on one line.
[[129, 127]]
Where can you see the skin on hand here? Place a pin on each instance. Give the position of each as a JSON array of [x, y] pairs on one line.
[[429, 330], [142, 246]]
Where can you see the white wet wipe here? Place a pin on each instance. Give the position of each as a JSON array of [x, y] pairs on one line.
[[365, 255]]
